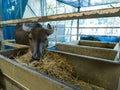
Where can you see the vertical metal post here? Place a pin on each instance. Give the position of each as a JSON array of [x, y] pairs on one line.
[[78, 25], [119, 49], [118, 85], [20, 9], [42, 7], [43, 11]]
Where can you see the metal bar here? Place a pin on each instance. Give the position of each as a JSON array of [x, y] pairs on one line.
[[78, 24], [75, 27], [32, 10]]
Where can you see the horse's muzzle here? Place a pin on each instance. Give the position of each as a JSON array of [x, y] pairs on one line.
[[34, 59]]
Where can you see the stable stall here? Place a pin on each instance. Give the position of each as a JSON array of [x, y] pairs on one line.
[[94, 64]]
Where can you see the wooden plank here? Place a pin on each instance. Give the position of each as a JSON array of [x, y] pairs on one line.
[[110, 12], [97, 44], [9, 83], [7, 43], [10, 40]]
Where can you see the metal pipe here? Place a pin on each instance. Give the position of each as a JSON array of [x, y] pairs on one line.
[[78, 25]]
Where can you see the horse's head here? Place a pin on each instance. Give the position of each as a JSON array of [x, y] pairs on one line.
[[38, 39], [35, 35]]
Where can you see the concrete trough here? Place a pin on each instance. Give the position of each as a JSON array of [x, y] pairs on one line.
[[15, 76], [93, 49]]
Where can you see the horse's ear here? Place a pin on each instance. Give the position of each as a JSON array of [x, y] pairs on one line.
[[49, 26], [49, 30]]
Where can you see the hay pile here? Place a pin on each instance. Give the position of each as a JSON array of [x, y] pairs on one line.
[[55, 65]]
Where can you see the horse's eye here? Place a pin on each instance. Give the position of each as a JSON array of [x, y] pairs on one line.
[[30, 38]]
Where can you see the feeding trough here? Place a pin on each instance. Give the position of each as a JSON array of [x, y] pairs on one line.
[[88, 48], [100, 72]]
